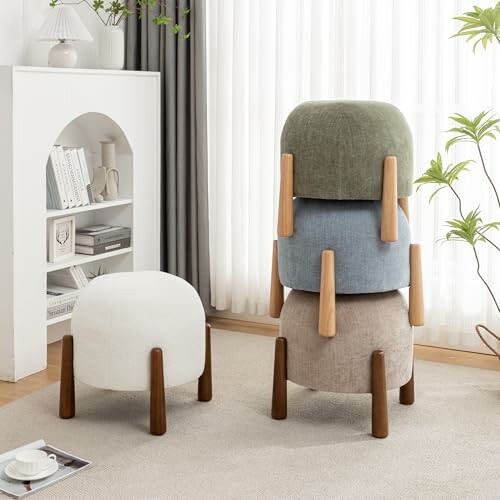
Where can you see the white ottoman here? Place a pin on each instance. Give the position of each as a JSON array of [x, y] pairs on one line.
[[135, 332]]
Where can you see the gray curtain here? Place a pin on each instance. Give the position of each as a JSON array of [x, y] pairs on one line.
[[182, 64]]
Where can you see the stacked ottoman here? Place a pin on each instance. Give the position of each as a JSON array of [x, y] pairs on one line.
[[344, 249]]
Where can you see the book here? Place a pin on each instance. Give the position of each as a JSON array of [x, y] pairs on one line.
[[72, 277], [58, 180], [104, 248], [100, 234], [60, 309], [65, 176], [80, 181], [68, 464], [85, 170], [57, 294], [73, 177]]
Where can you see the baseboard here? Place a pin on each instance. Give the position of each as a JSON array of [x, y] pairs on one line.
[[429, 353]]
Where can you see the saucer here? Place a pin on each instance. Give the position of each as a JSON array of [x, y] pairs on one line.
[[11, 471]]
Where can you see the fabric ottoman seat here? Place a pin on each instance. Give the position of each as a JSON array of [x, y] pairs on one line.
[[363, 263], [137, 331], [365, 323], [339, 147]]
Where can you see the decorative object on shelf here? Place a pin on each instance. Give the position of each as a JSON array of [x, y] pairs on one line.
[[63, 25], [61, 238], [112, 47], [108, 152], [101, 238], [98, 184], [112, 39], [470, 226]]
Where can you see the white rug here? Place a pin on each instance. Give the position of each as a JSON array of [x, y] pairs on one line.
[[446, 446]]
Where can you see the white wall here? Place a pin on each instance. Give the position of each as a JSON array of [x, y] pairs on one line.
[[19, 23]]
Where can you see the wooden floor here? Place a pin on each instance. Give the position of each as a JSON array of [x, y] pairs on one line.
[[10, 392]]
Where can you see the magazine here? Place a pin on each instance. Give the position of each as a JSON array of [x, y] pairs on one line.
[[68, 465]]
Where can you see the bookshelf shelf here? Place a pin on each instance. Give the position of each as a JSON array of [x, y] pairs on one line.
[[80, 259], [59, 319], [52, 214]]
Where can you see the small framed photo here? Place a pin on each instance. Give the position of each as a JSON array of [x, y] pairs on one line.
[[61, 238]]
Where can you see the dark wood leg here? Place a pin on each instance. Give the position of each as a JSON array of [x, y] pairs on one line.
[[407, 392], [67, 389], [158, 418], [279, 382], [380, 422], [205, 381]]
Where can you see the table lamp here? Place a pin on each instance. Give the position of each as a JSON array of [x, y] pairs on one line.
[[64, 25]]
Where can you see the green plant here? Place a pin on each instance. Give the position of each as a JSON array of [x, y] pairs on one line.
[[100, 272], [113, 12], [483, 25]]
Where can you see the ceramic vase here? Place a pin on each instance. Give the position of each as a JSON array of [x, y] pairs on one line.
[[111, 190], [112, 48]]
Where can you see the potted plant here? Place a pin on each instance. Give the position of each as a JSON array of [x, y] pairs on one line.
[[112, 14], [482, 26]]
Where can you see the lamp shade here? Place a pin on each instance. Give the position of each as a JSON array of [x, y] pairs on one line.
[[63, 23]]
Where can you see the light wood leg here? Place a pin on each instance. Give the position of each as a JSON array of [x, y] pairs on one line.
[[279, 405], [405, 206], [205, 380], [380, 420], [276, 299], [67, 389], [326, 324], [158, 417], [407, 391], [416, 298], [285, 210], [389, 222]]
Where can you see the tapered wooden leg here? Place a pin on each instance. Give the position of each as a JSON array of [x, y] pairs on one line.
[[276, 299], [380, 422], [416, 296], [405, 206], [389, 222], [205, 381], [326, 323], [285, 209], [67, 389], [279, 382], [158, 417], [407, 391]]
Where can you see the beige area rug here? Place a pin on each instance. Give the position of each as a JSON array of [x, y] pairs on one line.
[[446, 446]]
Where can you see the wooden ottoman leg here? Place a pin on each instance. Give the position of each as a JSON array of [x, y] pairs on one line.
[[285, 208], [416, 295], [407, 391], [279, 382], [389, 222], [205, 380], [157, 418], [67, 389], [380, 423], [276, 299], [326, 321]]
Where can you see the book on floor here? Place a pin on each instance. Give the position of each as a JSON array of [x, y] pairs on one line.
[[68, 464]]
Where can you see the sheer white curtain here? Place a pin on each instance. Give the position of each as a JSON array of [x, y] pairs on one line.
[[266, 56]]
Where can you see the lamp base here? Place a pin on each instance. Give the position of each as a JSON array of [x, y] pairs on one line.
[[63, 55]]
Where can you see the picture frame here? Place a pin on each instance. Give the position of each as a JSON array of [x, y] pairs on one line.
[[62, 234]]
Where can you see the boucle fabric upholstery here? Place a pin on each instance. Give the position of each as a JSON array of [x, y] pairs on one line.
[[120, 317], [363, 263], [339, 149], [365, 323]]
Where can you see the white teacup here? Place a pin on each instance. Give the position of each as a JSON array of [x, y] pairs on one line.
[[31, 462]]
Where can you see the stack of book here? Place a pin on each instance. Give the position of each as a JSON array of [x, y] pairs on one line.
[[68, 181], [63, 288], [98, 239]]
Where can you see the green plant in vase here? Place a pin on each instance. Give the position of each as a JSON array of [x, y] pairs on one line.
[[483, 27]]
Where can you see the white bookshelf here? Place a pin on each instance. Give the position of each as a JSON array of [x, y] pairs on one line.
[[40, 107]]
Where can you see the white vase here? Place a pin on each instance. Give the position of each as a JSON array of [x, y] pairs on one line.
[[112, 48]]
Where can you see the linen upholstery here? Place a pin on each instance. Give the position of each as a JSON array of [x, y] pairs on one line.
[[365, 323], [363, 263], [120, 317], [339, 149]]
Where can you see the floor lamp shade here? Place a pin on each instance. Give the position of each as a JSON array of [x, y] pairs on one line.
[[63, 24]]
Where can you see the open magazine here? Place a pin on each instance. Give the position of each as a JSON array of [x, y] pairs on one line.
[[68, 465]]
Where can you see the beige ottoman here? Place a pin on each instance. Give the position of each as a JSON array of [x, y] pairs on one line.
[[371, 352]]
